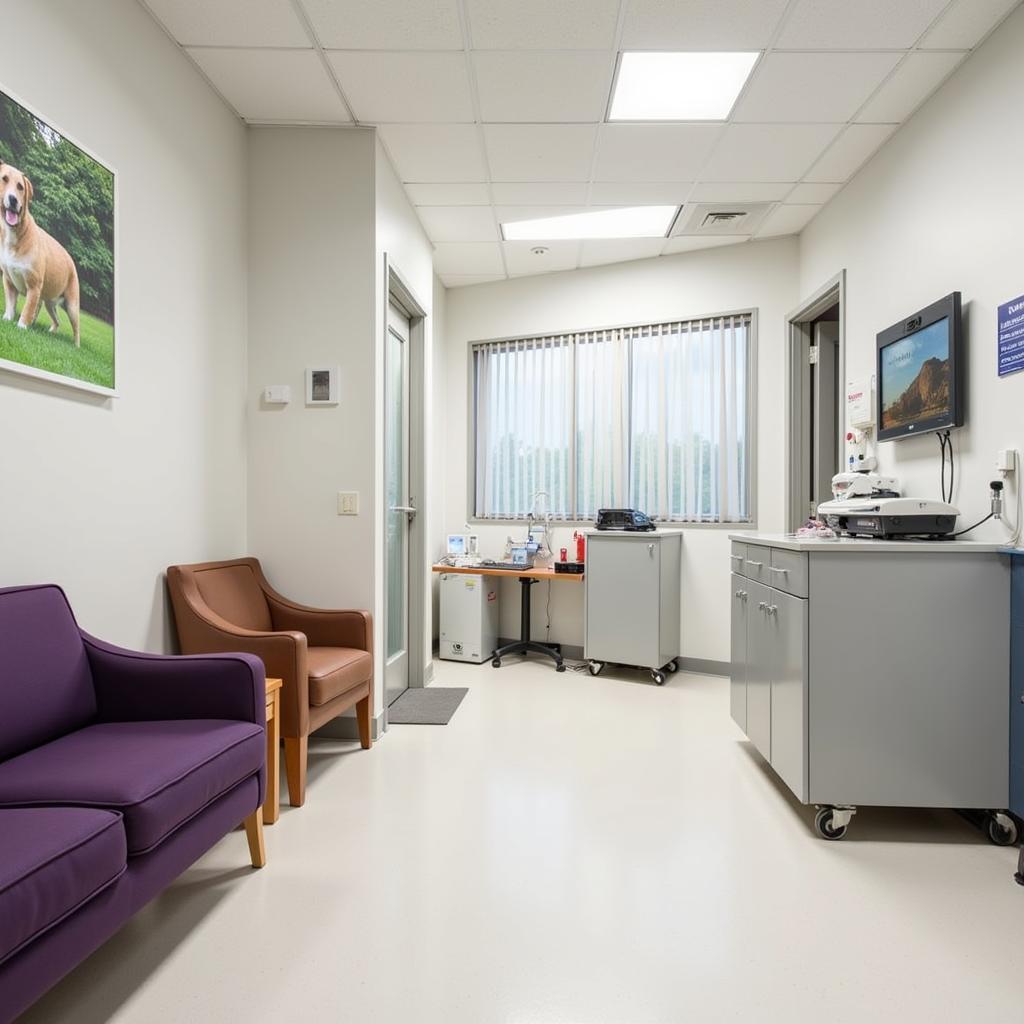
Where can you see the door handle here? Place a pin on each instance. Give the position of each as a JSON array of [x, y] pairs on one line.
[[409, 510]]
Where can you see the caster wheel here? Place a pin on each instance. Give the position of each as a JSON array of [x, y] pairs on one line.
[[496, 662], [824, 827], [595, 668], [560, 667], [672, 667], [658, 676], [1001, 830]]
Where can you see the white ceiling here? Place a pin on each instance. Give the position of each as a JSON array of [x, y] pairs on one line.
[[494, 110]]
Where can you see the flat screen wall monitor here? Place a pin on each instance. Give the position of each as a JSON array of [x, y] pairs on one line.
[[920, 368]]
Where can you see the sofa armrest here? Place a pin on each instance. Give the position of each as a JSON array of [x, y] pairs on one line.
[[132, 686], [324, 627]]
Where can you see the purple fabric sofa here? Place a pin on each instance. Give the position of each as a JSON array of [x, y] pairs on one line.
[[118, 770]]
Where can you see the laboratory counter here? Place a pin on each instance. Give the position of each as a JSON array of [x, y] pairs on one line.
[[792, 542]]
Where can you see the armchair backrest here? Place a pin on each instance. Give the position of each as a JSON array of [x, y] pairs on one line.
[[46, 687], [230, 589]]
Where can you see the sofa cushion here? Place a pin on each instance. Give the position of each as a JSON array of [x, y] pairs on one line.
[[335, 670], [157, 774], [45, 684], [52, 860]]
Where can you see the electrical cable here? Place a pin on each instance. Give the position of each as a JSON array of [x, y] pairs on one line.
[[960, 533]]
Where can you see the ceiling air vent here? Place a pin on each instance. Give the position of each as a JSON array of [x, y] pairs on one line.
[[721, 219]]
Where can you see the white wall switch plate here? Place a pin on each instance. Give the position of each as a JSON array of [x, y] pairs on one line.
[[348, 503], [277, 394], [1006, 460]]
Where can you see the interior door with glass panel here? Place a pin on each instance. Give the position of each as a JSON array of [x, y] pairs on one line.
[[398, 503]]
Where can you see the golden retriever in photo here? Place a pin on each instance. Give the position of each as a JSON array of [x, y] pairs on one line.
[[34, 263]]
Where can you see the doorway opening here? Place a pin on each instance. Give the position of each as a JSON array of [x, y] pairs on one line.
[[404, 488], [815, 415]]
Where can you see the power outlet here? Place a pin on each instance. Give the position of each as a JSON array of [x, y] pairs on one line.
[[1006, 460], [348, 503]]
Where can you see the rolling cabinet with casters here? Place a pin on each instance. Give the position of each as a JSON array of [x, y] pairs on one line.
[[873, 672], [632, 600]]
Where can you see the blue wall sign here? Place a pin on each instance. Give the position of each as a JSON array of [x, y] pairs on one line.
[[1010, 336]]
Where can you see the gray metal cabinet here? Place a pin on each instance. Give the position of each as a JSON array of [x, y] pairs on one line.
[[787, 623], [760, 661], [632, 603], [875, 673], [738, 650]]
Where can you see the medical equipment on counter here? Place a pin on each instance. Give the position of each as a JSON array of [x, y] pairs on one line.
[[623, 519], [890, 517]]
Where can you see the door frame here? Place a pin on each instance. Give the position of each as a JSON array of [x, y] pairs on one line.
[[397, 291], [799, 335]]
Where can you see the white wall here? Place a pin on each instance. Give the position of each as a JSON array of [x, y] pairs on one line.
[[311, 289], [101, 495], [400, 236], [761, 275], [939, 209]]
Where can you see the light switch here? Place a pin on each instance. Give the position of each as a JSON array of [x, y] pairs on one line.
[[277, 394], [348, 503]]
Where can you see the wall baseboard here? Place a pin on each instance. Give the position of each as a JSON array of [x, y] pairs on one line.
[[704, 666], [344, 728]]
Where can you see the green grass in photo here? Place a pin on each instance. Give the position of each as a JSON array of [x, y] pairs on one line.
[[56, 353]]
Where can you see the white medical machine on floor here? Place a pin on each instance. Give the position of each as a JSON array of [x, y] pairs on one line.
[[469, 617]]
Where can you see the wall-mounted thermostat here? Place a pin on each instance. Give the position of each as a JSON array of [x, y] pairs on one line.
[[277, 394], [322, 385]]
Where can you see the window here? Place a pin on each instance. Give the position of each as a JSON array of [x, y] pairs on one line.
[[655, 417]]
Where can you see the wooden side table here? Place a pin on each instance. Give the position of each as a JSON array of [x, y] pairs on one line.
[[272, 802]]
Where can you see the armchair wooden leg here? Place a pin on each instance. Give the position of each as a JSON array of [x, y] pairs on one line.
[[254, 833], [296, 750], [364, 718]]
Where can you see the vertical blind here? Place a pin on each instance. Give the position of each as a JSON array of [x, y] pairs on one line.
[[656, 417]]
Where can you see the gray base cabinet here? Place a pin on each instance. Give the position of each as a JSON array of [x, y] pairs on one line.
[[632, 599], [873, 674]]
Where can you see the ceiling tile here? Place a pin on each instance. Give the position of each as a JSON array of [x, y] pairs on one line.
[[522, 262], [618, 250], [812, 86], [813, 192], [468, 258], [761, 152], [542, 87], [864, 25], [435, 152], [700, 24], [915, 79], [849, 151], [465, 280], [540, 193], [639, 193], [231, 22], [459, 223], [385, 87], [273, 85], [386, 24], [966, 23], [690, 243], [740, 192], [787, 220], [543, 24], [448, 193], [646, 152], [530, 152]]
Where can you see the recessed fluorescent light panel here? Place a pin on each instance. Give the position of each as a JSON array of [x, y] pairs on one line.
[[624, 222], [679, 86]]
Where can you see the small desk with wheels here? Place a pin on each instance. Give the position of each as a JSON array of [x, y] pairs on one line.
[[527, 578]]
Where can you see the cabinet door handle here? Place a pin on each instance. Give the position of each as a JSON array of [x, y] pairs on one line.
[[773, 609], [736, 558], [650, 550], [762, 606], [760, 565], [772, 568], [741, 594]]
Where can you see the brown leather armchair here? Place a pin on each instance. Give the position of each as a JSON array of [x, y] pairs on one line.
[[325, 658]]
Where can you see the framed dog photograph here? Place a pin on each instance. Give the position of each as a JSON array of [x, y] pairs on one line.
[[57, 208]]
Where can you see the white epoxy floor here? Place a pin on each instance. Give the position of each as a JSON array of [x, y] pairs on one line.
[[569, 850]]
